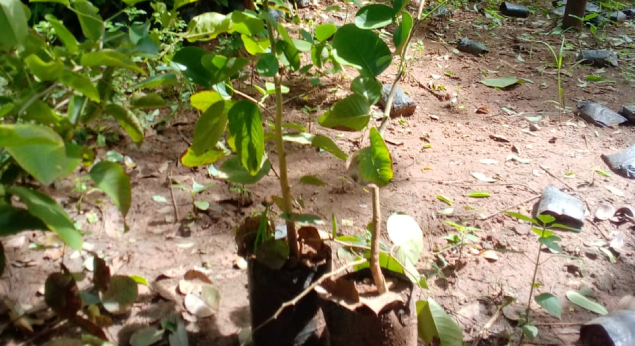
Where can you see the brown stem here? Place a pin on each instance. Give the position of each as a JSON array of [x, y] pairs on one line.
[[292, 237], [375, 268]]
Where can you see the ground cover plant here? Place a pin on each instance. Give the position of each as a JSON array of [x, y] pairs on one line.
[[142, 142]]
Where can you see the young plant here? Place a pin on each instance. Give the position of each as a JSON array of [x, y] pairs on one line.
[[197, 204], [544, 226], [558, 61], [464, 236]]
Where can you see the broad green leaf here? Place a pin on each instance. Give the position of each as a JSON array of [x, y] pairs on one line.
[[67, 38], [207, 26], [233, 171], [53, 216], [325, 143], [288, 54], [433, 322], [222, 68], [180, 3], [545, 219], [405, 233], [201, 205], [362, 49], [81, 84], [255, 46], [399, 5], [159, 80], [13, 24], [373, 164], [311, 180], [202, 100], [521, 217], [550, 303], [39, 150], [369, 87], [109, 57], [41, 113], [551, 243], [211, 126], [273, 253], [74, 157], [444, 200], [89, 19], [601, 172], [324, 31], [502, 82], [131, 3], [542, 233], [189, 61], [191, 159], [267, 65], [120, 296], [245, 126], [6, 109], [373, 16], [400, 37], [44, 71], [113, 180], [140, 280], [137, 31], [479, 194], [246, 23], [148, 335], [349, 114], [128, 121], [147, 101], [15, 220], [530, 331], [584, 302]]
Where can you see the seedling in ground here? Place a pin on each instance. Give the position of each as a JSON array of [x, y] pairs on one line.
[[196, 189]]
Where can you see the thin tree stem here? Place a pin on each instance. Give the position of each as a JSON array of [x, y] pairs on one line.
[[533, 286], [375, 268], [292, 237]]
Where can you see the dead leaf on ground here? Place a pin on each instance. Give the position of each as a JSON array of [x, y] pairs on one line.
[[197, 307], [193, 274], [499, 138], [604, 212], [490, 255], [614, 190], [482, 177], [482, 110]]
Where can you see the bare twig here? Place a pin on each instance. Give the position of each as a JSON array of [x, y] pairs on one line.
[[555, 177], [306, 291], [176, 209], [489, 324]]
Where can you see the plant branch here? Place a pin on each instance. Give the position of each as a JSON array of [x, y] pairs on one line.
[[292, 237], [375, 268], [533, 286], [308, 290]]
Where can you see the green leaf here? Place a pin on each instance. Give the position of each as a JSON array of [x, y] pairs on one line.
[[15, 220], [201, 205], [550, 243], [128, 121], [433, 322], [584, 302], [267, 65], [479, 194], [140, 280], [211, 126], [222, 68], [202, 100], [502, 82], [80, 84], [273, 253], [369, 87], [89, 19], [550, 303], [146, 336], [325, 143], [44, 71], [109, 57], [521, 217], [74, 157], [159, 80], [137, 31], [189, 61], [362, 49], [232, 170], [601, 172], [530, 331], [41, 113], [39, 150], [131, 3], [399, 5], [349, 114], [374, 16], [246, 23], [191, 159], [324, 31], [13, 24], [400, 37], [149, 101], [113, 180], [245, 125], [373, 164], [311, 180], [288, 54], [444, 200], [67, 38], [545, 219], [255, 46], [53, 216], [207, 26], [120, 296], [405, 233], [542, 233]]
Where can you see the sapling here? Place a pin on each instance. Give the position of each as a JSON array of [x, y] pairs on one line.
[[544, 226]]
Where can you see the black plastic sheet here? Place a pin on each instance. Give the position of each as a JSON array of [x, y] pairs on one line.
[[599, 57], [616, 329], [473, 47], [623, 162], [596, 113], [565, 208], [513, 10]]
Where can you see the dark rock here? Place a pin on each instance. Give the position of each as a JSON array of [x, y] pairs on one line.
[[566, 209], [594, 112], [473, 47], [402, 104]]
